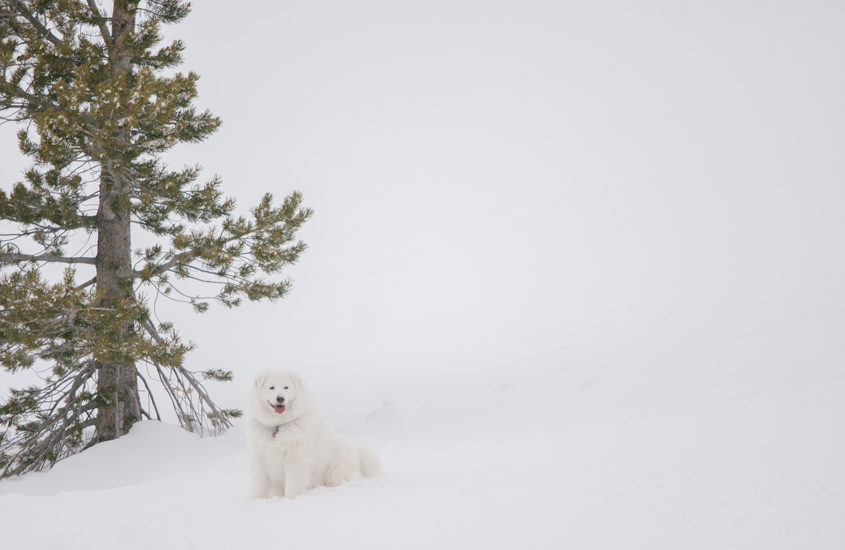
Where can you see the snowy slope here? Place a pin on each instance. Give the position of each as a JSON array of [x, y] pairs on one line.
[[474, 463]]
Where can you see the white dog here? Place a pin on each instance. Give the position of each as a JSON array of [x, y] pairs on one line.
[[293, 447]]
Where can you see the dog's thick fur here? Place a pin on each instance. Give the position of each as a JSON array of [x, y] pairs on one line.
[[296, 450]]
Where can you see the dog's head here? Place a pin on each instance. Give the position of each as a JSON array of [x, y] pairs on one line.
[[277, 397]]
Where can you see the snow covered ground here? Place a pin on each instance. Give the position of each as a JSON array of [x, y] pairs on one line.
[[528, 459], [575, 272]]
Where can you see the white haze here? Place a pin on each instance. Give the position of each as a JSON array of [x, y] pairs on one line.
[[612, 188], [647, 195]]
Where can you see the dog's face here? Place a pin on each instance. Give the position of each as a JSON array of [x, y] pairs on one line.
[[277, 396]]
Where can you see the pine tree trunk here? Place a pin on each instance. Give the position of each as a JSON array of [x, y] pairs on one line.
[[117, 380]]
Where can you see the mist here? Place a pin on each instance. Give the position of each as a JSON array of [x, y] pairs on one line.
[[634, 193]]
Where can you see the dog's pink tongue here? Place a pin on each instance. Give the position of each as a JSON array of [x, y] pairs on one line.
[[279, 408]]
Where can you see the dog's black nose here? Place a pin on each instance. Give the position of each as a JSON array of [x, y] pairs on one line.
[[280, 399]]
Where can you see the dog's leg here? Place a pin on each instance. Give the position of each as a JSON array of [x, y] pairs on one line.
[[260, 483], [342, 467], [335, 475], [277, 487], [296, 480]]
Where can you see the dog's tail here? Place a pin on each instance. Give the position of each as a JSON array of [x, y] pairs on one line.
[[370, 464]]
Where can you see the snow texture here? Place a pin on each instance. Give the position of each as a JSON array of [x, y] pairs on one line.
[[513, 463]]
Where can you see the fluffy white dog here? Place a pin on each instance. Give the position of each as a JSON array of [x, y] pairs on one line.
[[293, 447]]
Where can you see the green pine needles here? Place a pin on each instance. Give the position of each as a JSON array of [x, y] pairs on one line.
[[98, 103]]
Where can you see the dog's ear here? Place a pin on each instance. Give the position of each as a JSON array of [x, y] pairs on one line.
[[297, 381], [259, 380]]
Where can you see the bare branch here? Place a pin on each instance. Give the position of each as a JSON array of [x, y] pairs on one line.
[[199, 412], [86, 284], [170, 264], [152, 398], [27, 14], [13, 257], [101, 23]]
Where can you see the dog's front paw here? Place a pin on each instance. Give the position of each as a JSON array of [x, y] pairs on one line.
[[295, 486]]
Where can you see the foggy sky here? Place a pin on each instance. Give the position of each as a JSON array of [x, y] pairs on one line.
[[612, 187]]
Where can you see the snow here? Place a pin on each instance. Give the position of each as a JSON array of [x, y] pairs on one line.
[[574, 272], [524, 461]]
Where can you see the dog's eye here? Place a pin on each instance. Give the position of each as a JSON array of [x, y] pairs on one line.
[[272, 387], [286, 387]]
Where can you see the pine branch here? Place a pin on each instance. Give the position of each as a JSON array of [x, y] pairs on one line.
[[84, 221], [86, 284], [14, 257], [43, 105], [177, 259], [23, 11], [101, 24]]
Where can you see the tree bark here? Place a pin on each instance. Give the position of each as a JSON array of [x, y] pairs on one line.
[[117, 380]]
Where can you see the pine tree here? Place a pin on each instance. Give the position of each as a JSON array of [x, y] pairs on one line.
[[99, 104]]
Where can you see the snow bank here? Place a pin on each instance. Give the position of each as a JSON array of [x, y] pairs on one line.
[[477, 465]]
